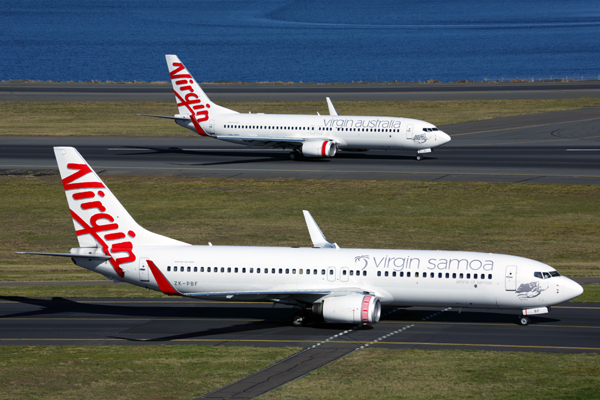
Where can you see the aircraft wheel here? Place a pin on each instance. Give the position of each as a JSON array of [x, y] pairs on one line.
[[419, 157], [294, 155], [524, 320], [299, 319]]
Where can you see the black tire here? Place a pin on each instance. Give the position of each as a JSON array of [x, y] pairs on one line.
[[524, 320], [419, 157], [299, 319]]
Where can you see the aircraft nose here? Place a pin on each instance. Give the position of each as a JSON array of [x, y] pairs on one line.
[[443, 138], [571, 289]]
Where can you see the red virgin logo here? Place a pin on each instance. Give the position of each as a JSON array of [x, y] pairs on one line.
[[183, 83], [101, 226]]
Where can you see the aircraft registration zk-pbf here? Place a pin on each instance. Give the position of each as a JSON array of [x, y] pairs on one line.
[[325, 281], [306, 135]]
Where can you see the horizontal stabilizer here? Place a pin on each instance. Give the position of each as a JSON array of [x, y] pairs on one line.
[[72, 255]]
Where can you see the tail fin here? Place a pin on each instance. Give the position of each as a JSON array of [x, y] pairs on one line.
[[191, 99], [100, 220]]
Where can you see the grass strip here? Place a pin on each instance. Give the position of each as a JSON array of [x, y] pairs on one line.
[[555, 224], [120, 119], [127, 372], [449, 374]]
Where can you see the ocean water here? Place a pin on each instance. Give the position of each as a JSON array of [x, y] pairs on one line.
[[299, 40]]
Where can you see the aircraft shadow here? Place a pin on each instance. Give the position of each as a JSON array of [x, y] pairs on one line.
[[466, 317]]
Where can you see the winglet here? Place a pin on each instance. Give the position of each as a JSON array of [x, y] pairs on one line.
[[332, 110], [316, 235], [163, 283]]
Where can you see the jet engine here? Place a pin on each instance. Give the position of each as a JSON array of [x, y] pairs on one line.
[[319, 148], [349, 309]]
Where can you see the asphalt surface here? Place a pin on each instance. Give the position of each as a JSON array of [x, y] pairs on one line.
[[301, 92], [560, 147], [570, 328]]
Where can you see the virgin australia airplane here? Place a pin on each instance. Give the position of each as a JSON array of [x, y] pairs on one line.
[[338, 285], [306, 135]]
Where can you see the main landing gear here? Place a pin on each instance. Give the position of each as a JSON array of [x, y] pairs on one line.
[[295, 155], [524, 320], [419, 157]]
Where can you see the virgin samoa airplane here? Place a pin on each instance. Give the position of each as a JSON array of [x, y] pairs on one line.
[[325, 281], [306, 135]]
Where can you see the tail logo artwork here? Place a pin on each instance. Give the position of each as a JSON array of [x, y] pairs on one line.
[[101, 226], [184, 82]]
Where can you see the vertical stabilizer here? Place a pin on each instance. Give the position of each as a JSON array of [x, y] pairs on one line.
[[191, 99], [100, 220]]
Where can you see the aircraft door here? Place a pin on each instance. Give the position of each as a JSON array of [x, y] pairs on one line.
[[344, 274], [511, 277], [144, 274], [331, 274], [409, 131], [211, 126]]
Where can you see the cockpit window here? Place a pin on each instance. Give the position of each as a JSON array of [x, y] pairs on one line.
[[538, 275], [546, 275], [554, 273]]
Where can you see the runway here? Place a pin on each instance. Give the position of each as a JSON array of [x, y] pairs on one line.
[[64, 91], [560, 147], [569, 328]]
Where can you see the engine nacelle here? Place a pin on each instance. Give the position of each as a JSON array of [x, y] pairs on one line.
[[350, 309], [319, 148]]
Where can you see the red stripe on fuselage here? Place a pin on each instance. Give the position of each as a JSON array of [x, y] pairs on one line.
[[163, 283]]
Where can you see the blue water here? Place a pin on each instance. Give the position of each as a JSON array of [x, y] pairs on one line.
[[299, 40]]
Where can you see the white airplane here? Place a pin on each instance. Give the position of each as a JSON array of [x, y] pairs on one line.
[[338, 285], [307, 135]]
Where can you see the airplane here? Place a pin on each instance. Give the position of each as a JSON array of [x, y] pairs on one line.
[[323, 282], [311, 136]]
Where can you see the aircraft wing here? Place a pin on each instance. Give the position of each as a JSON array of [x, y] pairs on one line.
[[72, 255], [277, 296]]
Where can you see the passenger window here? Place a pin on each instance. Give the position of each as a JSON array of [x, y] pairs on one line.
[[175, 269], [468, 276], [314, 272], [266, 270], [344, 272], [287, 270], [168, 268], [294, 271], [401, 274], [251, 270], [308, 272], [440, 275], [474, 276], [416, 274], [280, 270], [357, 273], [258, 270], [351, 273], [322, 272], [236, 270], [201, 269], [364, 273], [461, 275], [447, 275], [386, 273], [489, 276], [378, 273], [189, 269], [408, 274], [454, 275], [222, 269], [195, 269], [272, 270], [243, 270], [394, 273], [331, 272], [300, 271]]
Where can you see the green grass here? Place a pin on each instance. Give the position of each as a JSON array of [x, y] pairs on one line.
[[450, 374], [120, 119], [126, 372], [555, 224], [591, 294]]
